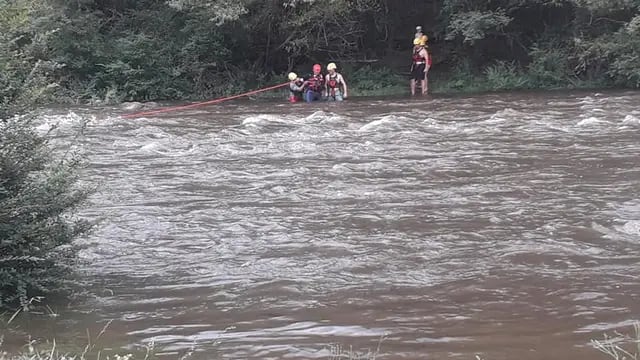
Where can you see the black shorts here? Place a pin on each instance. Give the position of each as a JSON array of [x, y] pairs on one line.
[[418, 72]]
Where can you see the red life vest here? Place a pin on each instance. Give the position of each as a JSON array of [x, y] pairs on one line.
[[417, 58], [333, 81], [315, 82]]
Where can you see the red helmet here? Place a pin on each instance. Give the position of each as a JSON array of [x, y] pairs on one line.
[[317, 68]]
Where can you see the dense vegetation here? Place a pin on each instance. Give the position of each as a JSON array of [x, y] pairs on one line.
[[115, 50], [38, 191], [39, 187]]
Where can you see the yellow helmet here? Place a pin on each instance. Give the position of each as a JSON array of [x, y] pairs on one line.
[[292, 76], [331, 66]]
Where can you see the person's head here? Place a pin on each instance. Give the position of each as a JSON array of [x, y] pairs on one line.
[[419, 29], [317, 69], [331, 67], [293, 76]]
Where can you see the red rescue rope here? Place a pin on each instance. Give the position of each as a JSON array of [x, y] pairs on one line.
[[215, 101]]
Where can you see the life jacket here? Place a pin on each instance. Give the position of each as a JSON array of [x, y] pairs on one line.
[[315, 82], [333, 81], [417, 58]]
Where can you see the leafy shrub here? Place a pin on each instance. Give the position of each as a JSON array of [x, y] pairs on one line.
[[369, 80], [504, 75], [474, 25], [38, 193], [549, 67]]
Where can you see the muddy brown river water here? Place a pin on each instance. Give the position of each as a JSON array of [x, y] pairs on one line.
[[503, 226]]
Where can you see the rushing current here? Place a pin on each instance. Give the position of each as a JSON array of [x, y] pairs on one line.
[[505, 226]]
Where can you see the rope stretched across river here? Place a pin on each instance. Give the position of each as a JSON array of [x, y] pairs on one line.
[[210, 102]]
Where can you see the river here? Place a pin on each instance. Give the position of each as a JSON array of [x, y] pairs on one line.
[[502, 225]]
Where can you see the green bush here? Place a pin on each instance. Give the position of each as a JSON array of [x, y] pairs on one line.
[[38, 193], [369, 80], [461, 78], [504, 75], [38, 188], [624, 49], [549, 67]]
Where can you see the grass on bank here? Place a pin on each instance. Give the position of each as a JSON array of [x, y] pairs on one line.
[[618, 347], [381, 80], [50, 350], [500, 76], [35, 351], [621, 346], [463, 79]]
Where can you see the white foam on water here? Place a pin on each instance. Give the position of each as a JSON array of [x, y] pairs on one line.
[[154, 146], [430, 121], [333, 119], [318, 115], [262, 119], [46, 123], [602, 327], [163, 149], [322, 117], [504, 115], [627, 216], [631, 120], [444, 126], [591, 121], [387, 121], [631, 227], [587, 100], [373, 125]]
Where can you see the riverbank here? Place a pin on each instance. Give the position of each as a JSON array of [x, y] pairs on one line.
[[461, 80], [621, 346], [390, 80]]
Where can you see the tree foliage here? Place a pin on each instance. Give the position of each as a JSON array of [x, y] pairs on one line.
[[175, 49], [38, 190]]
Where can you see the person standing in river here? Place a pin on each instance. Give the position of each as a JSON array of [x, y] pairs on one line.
[[335, 86], [315, 85], [296, 87], [419, 67]]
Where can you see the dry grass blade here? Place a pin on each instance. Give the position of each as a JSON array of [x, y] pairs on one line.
[[339, 353], [104, 329], [53, 349], [615, 347], [149, 347], [14, 316]]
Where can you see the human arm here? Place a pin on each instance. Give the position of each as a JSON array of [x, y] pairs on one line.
[[326, 85], [425, 54], [344, 85], [295, 87]]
